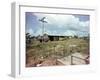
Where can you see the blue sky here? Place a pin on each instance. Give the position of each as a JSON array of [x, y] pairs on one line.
[[57, 24]]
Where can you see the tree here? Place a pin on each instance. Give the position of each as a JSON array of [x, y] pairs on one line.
[[28, 38]]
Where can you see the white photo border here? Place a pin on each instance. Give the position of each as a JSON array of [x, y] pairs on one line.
[[18, 55]]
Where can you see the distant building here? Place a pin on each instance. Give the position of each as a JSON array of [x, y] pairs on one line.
[[47, 37], [56, 37], [53, 38]]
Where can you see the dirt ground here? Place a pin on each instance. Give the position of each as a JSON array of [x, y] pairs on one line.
[[40, 63]]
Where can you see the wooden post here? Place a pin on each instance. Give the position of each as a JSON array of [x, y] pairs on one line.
[[55, 53], [71, 60]]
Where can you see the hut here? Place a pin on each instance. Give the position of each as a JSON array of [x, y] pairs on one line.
[[53, 38]]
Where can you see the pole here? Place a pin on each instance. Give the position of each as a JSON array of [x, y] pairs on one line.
[[42, 32], [71, 60]]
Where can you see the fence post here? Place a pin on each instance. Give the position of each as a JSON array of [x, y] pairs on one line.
[[71, 60], [55, 53]]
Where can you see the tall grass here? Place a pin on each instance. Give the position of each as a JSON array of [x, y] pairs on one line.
[[57, 48]]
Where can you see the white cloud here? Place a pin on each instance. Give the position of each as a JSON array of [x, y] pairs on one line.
[[30, 31], [69, 23], [38, 32], [58, 19], [70, 33]]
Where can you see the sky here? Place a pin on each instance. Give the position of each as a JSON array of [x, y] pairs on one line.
[[57, 24]]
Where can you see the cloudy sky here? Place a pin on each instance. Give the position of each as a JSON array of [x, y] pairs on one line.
[[57, 24]]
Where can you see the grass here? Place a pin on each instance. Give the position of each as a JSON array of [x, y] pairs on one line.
[[57, 49]]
